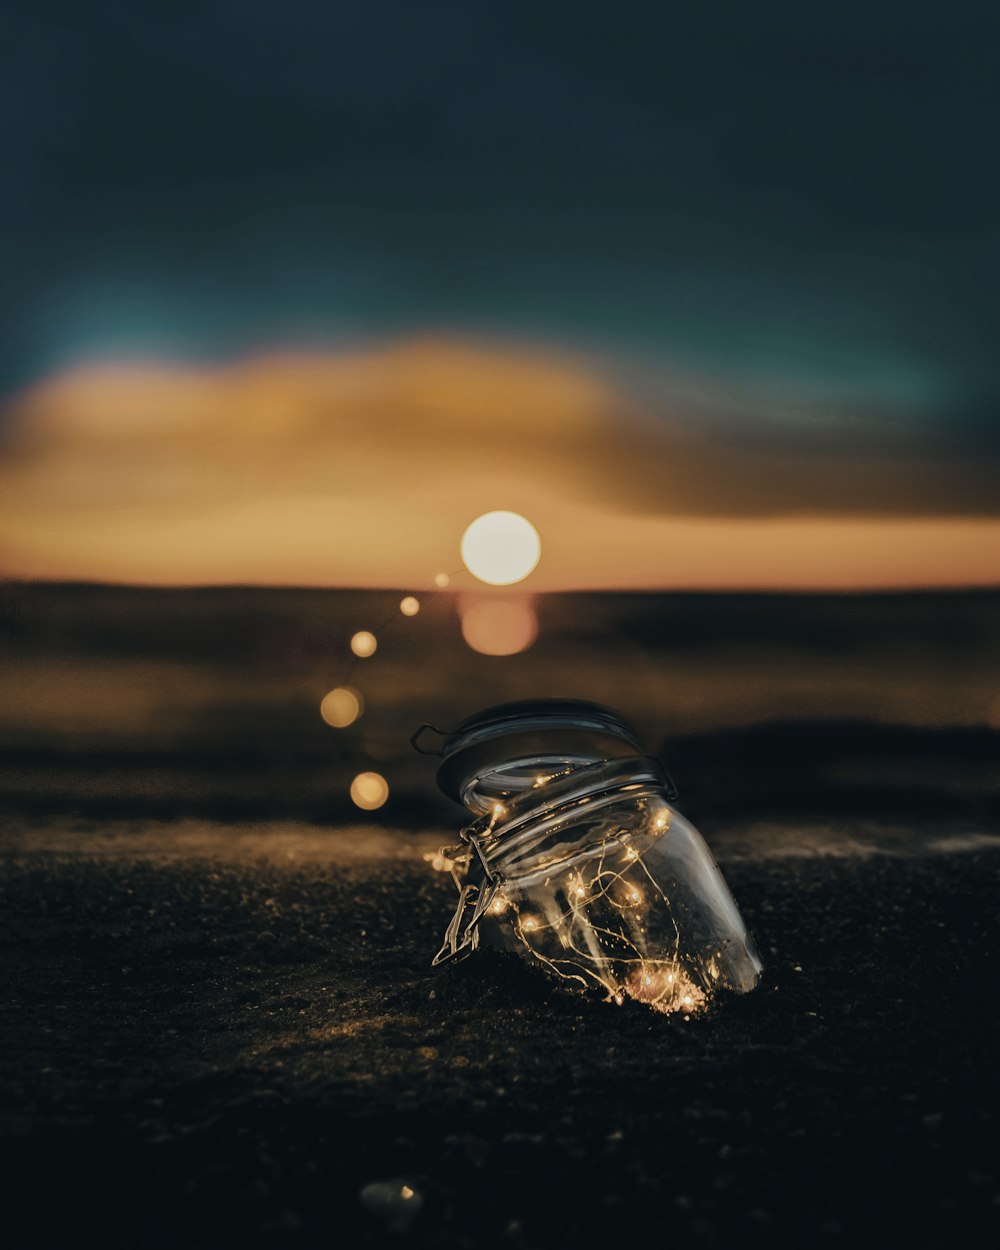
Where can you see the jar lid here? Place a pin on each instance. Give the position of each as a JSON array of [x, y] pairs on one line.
[[570, 730]]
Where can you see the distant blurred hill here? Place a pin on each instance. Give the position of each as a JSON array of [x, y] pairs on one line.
[[133, 702]]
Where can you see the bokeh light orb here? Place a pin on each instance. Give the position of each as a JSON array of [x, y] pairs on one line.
[[501, 548], [341, 707], [441, 580], [364, 643], [369, 791], [409, 606], [499, 626]]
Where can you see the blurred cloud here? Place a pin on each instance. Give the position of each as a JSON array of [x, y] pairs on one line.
[[793, 200], [364, 468]]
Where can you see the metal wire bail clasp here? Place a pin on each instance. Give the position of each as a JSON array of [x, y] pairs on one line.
[[461, 937], [419, 733]]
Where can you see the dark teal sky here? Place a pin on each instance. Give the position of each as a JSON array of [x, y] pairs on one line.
[[775, 217]]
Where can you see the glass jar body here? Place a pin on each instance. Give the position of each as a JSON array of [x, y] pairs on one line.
[[596, 877]]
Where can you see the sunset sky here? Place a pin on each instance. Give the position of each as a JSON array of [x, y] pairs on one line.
[[294, 292]]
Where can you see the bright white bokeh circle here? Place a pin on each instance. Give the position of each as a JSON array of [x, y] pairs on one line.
[[501, 548]]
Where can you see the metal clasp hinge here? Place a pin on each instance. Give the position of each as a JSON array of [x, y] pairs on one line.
[[461, 937]]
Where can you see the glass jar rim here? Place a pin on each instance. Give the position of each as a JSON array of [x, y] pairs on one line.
[[574, 730]]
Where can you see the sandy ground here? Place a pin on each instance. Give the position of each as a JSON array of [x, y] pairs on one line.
[[225, 1037], [219, 1024]]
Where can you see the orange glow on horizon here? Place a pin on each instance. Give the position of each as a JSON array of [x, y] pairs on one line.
[[364, 470]]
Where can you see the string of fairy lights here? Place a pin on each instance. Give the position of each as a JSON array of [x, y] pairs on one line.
[[591, 919], [498, 549]]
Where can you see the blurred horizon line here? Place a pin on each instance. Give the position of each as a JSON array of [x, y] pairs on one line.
[[519, 591]]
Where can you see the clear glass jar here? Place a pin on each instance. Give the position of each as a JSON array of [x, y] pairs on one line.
[[579, 862]]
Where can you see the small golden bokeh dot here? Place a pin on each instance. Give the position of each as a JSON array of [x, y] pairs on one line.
[[341, 707], [364, 643], [441, 580], [369, 791], [409, 606]]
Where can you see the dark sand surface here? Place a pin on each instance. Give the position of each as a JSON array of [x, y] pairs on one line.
[[219, 1023], [219, 1039]]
